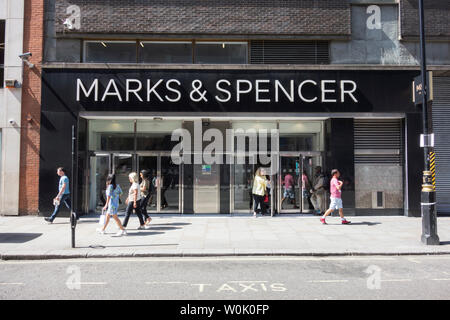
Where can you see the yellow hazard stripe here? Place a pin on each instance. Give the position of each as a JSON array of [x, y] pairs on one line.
[[433, 168]]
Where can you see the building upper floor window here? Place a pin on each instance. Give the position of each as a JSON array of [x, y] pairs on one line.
[[110, 51], [208, 52], [165, 52], [2, 53], [221, 52]]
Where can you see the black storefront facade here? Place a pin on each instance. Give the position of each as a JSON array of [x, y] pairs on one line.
[[362, 122]]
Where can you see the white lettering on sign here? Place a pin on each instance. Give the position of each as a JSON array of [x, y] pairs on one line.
[[261, 91], [374, 20], [134, 91], [94, 86]]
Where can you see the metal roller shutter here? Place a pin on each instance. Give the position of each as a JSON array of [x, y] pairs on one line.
[[289, 52], [378, 141], [441, 128]]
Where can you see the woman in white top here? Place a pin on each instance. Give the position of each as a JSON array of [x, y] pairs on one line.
[[134, 201], [259, 191]]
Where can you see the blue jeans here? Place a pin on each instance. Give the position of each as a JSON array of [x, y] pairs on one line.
[[64, 198]]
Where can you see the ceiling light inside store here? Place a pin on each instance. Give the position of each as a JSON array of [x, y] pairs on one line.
[[103, 44], [142, 45], [223, 45]]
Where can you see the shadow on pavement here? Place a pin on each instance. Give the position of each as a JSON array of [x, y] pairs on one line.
[[18, 237], [444, 243], [365, 223], [170, 224], [162, 228], [100, 246]]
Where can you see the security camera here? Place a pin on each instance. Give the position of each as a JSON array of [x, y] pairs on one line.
[[25, 56], [68, 24], [11, 121]]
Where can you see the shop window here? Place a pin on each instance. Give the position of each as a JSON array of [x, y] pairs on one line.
[[297, 143], [155, 135], [2, 52], [221, 52], [110, 51], [165, 52], [111, 135]]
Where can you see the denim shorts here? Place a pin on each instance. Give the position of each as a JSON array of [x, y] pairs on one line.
[[289, 193], [336, 203]]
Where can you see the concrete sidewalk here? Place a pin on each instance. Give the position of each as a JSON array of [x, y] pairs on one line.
[[31, 238]]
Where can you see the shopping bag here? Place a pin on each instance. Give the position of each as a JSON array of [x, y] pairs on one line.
[[102, 219]]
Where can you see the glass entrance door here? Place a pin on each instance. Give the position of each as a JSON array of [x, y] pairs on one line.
[[150, 164], [99, 165], [295, 180], [242, 184], [289, 182], [122, 166], [206, 188], [164, 175], [310, 161]]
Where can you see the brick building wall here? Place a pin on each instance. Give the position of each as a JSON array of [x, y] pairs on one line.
[[31, 108], [283, 17], [437, 18]]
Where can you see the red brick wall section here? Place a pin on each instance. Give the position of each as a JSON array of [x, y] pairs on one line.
[[31, 108], [253, 17]]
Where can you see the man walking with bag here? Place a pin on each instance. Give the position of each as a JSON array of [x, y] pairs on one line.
[[63, 194]]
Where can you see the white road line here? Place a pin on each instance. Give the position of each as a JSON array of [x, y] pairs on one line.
[[11, 284], [91, 283], [166, 282], [440, 279], [327, 281], [396, 280], [414, 260], [247, 281]]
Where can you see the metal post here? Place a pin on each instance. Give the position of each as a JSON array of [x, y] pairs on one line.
[[428, 197], [73, 216]]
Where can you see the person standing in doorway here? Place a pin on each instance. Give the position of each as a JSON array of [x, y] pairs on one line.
[[145, 191], [318, 191], [113, 192], [259, 191], [134, 201], [289, 191], [63, 194], [336, 198]]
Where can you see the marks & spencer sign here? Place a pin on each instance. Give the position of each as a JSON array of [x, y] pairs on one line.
[[131, 90]]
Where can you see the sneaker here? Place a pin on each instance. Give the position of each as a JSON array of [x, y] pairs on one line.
[[323, 221], [147, 226], [121, 233], [254, 214], [345, 222], [48, 220], [100, 230], [141, 228]]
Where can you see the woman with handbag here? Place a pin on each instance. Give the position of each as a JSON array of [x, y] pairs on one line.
[[113, 192], [145, 191], [134, 201], [259, 191]]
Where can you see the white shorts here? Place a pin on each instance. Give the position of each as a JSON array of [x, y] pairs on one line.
[[336, 203]]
